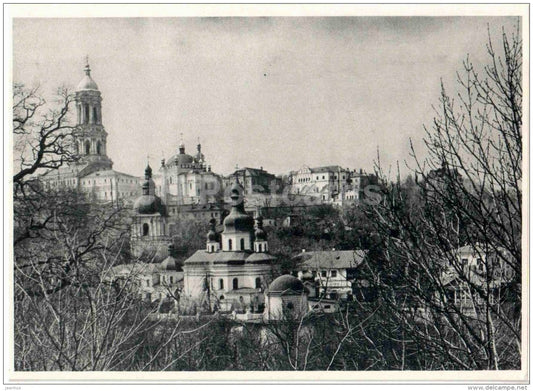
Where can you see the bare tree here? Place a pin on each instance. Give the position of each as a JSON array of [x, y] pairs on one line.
[[42, 134], [468, 197]]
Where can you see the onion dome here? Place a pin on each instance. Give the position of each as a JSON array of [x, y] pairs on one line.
[[148, 203], [286, 284], [170, 263], [87, 83], [212, 234], [238, 220], [260, 234]]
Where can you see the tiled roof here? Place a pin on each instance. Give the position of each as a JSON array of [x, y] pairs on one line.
[[330, 259]]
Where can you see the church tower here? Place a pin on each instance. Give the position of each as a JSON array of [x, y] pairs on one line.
[[90, 136]]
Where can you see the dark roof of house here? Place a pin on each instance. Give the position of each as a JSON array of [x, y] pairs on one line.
[[330, 259], [327, 169], [252, 172]]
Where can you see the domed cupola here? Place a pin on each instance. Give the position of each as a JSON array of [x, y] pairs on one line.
[[148, 203], [238, 225], [213, 244], [260, 243], [87, 83]]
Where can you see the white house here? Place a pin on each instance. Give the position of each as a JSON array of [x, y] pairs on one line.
[[332, 271]]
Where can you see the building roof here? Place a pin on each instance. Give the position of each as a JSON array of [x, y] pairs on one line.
[[108, 173], [327, 169], [252, 172], [87, 83], [330, 259], [286, 285], [202, 257]]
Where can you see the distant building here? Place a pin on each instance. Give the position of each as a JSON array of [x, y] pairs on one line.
[[93, 172], [478, 271], [152, 281], [184, 180], [286, 298], [329, 184], [255, 181], [332, 272]]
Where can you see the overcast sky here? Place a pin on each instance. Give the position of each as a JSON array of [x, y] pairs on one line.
[[273, 92]]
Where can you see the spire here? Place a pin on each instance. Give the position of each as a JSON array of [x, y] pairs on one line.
[[182, 145], [148, 172], [87, 67]]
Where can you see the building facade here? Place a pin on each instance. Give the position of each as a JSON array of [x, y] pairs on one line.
[[331, 273], [184, 179], [235, 268]]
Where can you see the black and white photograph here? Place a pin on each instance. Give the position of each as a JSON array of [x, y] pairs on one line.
[[209, 192]]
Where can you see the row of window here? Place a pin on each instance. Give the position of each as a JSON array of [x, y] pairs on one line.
[[235, 283], [86, 112], [230, 244], [302, 180], [324, 273], [88, 181]]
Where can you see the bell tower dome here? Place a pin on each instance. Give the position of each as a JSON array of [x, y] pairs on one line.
[[90, 136]]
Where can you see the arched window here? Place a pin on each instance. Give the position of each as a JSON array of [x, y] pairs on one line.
[[221, 284], [87, 147], [222, 297], [95, 115], [86, 116], [235, 283], [242, 244], [146, 229], [98, 148], [257, 283], [229, 244], [290, 306]]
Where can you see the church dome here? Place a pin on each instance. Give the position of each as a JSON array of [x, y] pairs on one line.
[[238, 220], [182, 158], [212, 235], [170, 263], [87, 83], [260, 233], [286, 283], [148, 203]]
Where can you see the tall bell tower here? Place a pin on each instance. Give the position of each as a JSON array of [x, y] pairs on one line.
[[90, 136]]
